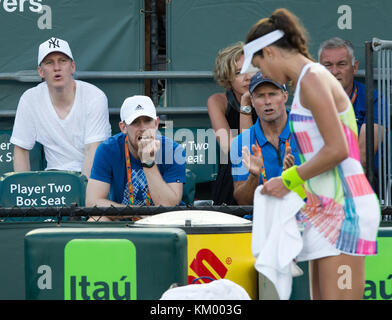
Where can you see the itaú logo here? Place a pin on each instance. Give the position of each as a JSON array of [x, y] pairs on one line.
[[100, 269], [199, 265]]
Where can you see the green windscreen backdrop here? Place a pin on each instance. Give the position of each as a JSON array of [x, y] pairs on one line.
[[198, 29], [103, 36]]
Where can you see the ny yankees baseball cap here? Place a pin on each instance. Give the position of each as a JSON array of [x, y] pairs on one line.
[[135, 107], [53, 45]]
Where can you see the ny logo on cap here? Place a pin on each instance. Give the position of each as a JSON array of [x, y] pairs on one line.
[[139, 107], [54, 42]]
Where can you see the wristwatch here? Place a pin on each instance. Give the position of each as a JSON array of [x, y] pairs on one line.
[[246, 109], [148, 164]]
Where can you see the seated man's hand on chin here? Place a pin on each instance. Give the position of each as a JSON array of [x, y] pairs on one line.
[[148, 146]]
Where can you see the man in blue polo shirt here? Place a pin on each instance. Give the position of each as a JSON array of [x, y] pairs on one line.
[[337, 55], [137, 166], [265, 149]]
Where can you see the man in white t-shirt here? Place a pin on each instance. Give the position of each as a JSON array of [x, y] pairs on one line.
[[70, 118]]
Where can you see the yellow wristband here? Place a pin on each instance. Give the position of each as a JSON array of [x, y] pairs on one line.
[[300, 190], [293, 181], [291, 178]]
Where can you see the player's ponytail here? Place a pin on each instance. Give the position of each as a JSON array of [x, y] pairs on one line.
[[295, 35]]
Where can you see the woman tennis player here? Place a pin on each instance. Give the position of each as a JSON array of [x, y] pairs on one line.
[[341, 215]]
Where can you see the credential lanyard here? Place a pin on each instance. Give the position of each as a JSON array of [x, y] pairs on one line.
[[263, 173], [129, 176], [354, 95]]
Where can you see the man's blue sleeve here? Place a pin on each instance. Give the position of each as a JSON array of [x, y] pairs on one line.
[[102, 169], [175, 172], [238, 170]]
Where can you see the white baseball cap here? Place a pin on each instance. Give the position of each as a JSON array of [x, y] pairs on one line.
[[135, 107], [53, 45]]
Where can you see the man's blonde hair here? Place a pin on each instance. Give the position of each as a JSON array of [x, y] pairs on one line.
[[226, 64]]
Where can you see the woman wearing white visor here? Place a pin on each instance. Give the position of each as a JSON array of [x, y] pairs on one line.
[[341, 214]]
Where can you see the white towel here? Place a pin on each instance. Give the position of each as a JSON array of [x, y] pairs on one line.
[[276, 239], [222, 289]]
